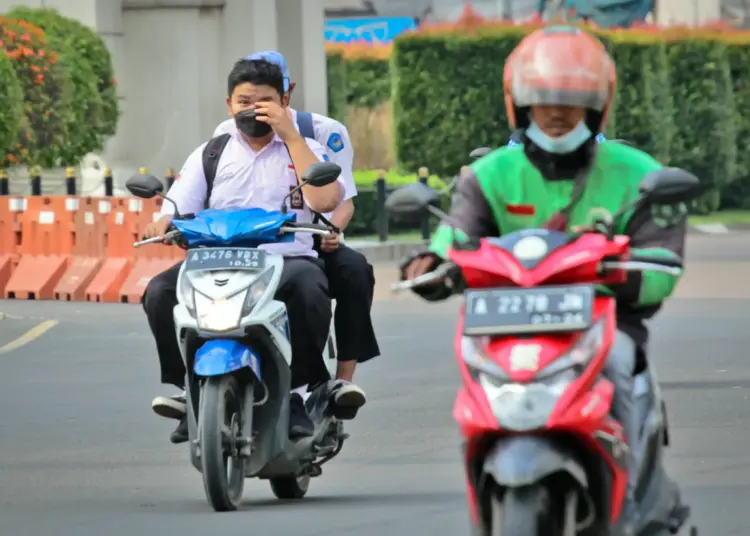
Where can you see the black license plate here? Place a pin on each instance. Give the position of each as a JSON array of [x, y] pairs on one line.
[[225, 259], [528, 310]]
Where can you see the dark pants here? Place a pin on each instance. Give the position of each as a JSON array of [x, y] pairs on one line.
[[352, 283], [304, 290]]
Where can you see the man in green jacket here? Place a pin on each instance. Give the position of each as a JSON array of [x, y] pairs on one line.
[[559, 84]]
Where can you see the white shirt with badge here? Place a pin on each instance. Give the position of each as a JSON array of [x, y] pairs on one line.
[[246, 179], [333, 136]]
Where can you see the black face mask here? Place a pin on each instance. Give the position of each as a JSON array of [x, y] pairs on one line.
[[246, 123]]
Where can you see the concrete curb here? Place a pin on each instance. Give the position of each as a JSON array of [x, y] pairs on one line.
[[394, 251]]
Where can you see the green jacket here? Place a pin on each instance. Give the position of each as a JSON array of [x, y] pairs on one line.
[[505, 193]]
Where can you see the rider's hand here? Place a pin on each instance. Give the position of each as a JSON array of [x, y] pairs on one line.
[[157, 228], [419, 265], [331, 242], [278, 117]]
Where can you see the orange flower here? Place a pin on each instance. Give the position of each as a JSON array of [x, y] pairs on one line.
[[35, 68], [38, 79], [41, 53], [26, 37], [11, 158]]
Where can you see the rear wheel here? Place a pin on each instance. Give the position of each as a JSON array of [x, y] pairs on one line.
[[532, 511], [290, 487], [220, 423]]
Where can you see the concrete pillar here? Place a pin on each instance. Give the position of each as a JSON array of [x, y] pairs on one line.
[[249, 26], [301, 40]]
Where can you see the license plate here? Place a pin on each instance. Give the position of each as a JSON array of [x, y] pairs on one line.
[[528, 310], [225, 259]]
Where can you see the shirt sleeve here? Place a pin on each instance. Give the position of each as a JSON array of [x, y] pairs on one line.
[[335, 138], [322, 156], [189, 189], [225, 127]]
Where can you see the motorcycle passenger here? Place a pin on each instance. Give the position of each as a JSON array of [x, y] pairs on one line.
[[558, 88], [350, 277], [264, 158]]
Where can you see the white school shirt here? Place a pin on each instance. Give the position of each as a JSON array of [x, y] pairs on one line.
[[333, 136], [246, 179]]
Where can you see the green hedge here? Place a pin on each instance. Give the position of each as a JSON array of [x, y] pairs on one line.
[[683, 96], [11, 109], [336, 74]]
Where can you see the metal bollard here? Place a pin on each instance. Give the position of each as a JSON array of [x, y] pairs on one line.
[[170, 177], [36, 180], [109, 183], [70, 181], [381, 217], [4, 183], [424, 174]]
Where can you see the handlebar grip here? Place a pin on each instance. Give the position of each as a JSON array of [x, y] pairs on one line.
[[671, 262]]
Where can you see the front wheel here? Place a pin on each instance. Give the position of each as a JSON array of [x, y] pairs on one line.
[[290, 487], [532, 511], [220, 423]]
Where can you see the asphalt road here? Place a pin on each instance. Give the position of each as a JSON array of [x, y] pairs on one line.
[[81, 453]]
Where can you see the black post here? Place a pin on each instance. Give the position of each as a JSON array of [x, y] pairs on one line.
[[109, 183], [170, 178], [70, 181], [36, 180], [381, 217], [4, 183], [424, 175]]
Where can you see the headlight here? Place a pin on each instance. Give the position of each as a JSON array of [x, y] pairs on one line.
[[256, 291], [527, 406], [187, 292], [219, 315]]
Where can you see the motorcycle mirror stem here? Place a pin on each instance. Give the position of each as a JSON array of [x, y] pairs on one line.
[[177, 214]]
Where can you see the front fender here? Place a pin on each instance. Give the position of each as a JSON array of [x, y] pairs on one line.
[[523, 460], [221, 356]]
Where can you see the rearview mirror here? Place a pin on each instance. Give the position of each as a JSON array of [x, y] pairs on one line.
[[412, 199], [670, 185], [479, 152], [321, 174], [144, 185]]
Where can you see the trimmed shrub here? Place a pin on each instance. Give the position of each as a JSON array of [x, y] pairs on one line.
[[11, 107], [448, 96], [736, 194], [46, 94], [87, 129], [706, 139], [336, 74]]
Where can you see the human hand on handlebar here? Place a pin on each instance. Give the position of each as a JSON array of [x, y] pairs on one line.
[[331, 242], [157, 228], [419, 265]]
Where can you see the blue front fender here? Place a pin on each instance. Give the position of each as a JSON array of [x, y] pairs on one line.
[[524, 460], [222, 356]]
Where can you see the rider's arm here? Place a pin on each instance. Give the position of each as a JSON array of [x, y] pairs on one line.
[[657, 232], [189, 188], [304, 153], [470, 214], [339, 149]]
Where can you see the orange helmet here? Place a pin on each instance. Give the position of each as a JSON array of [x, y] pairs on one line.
[[563, 66]]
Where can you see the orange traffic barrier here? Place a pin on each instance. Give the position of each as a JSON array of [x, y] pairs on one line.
[[11, 209], [121, 232], [88, 249], [150, 260], [47, 238]]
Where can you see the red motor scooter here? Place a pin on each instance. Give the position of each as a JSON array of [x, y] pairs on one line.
[[542, 455]]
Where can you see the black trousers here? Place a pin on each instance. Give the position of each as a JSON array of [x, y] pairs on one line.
[[304, 290], [352, 283]]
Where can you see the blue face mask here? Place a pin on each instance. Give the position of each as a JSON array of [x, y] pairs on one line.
[[567, 143]]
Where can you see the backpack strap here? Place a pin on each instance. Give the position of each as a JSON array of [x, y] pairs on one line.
[[305, 124], [211, 155]]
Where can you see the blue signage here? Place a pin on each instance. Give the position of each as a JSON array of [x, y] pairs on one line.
[[367, 30]]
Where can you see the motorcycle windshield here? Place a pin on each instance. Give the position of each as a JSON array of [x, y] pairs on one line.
[[249, 227]]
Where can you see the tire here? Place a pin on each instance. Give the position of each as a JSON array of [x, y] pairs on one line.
[[221, 411], [529, 511], [290, 487]]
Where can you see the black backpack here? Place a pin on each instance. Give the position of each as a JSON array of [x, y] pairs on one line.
[[214, 148]]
